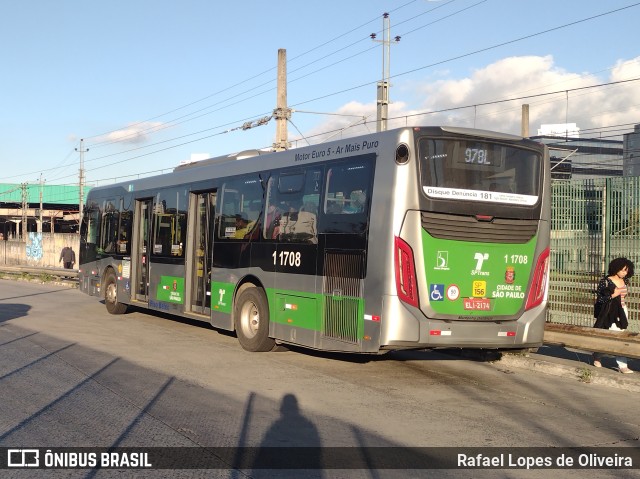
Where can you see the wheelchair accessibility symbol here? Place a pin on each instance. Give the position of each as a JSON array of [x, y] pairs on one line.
[[437, 292]]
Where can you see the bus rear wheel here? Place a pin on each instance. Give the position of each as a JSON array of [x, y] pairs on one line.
[[111, 295], [252, 320]]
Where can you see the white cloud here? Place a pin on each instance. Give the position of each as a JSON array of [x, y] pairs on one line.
[[134, 133], [466, 99]]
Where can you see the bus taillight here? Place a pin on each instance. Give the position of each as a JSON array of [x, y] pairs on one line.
[[539, 284], [405, 273]]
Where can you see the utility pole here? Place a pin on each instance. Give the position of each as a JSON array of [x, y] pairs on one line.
[[82, 151], [383, 86], [40, 210], [525, 121], [25, 205], [282, 114]]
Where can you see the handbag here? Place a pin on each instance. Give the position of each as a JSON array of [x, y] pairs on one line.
[[602, 315], [597, 307]]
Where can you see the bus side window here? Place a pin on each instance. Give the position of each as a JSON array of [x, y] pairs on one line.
[[241, 207], [91, 232], [341, 197], [109, 226], [170, 223], [124, 230], [273, 214], [347, 196], [293, 199]]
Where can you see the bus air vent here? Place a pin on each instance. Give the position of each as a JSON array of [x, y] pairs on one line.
[[342, 293], [468, 228]]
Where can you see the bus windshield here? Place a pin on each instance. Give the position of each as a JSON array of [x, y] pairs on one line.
[[473, 170]]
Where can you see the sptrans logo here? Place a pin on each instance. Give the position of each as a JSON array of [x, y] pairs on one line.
[[23, 458], [480, 259]]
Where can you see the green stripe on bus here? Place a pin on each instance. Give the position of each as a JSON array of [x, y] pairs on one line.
[[301, 309]]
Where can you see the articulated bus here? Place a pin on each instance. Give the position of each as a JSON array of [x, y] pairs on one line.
[[414, 238]]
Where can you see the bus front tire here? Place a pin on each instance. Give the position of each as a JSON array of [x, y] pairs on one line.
[[111, 295], [252, 320]]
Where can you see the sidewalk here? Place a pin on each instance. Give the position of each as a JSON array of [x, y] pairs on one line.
[[576, 364]]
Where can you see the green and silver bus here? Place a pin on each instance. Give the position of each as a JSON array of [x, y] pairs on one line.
[[419, 237]]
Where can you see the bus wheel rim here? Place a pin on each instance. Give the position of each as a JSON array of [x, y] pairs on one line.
[[250, 319], [111, 293]]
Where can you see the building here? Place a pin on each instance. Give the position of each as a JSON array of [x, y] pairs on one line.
[[573, 157], [560, 130], [631, 152], [20, 205]]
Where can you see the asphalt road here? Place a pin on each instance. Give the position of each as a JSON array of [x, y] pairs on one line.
[[71, 375]]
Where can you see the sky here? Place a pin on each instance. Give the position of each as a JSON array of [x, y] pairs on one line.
[[147, 84]]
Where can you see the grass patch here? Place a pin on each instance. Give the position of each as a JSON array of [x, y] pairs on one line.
[[585, 374]]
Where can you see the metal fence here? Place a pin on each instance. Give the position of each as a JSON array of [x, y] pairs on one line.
[[593, 221]]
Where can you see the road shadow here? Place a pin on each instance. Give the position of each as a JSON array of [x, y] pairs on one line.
[[70, 395], [9, 311], [583, 357], [479, 355], [99, 400]]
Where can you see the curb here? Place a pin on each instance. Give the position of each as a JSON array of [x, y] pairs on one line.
[[582, 372], [69, 283]]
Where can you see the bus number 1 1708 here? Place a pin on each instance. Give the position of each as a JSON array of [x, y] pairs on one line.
[[516, 258], [287, 258]]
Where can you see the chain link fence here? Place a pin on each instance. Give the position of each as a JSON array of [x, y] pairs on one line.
[[593, 221]]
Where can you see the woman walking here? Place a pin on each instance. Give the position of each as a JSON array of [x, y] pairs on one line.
[[611, 309]]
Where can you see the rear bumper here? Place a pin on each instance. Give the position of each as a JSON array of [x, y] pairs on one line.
[[404, 326]]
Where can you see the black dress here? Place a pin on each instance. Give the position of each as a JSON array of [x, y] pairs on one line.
[[608, 310]]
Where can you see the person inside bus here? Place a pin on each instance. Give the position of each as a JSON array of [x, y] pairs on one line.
[[243, 225], [272, 222], [306, 224], [299, 223], [610, 307], [289, 217], [355, 203]]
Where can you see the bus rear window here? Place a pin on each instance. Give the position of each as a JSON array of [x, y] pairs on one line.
[[473, 170]]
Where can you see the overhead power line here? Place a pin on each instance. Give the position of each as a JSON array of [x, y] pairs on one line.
[[443, 110], [443, 61], [271, 69], [244, 126], [525, 97], [154, 129], [190, 116], [471, 53]]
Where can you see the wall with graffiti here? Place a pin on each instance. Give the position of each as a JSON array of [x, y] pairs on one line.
[[40, 249]]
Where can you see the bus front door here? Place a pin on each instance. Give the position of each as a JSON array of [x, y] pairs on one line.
[[203, 210], [142, 235]]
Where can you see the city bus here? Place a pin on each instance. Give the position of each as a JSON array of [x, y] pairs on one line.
[[413, 238]]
